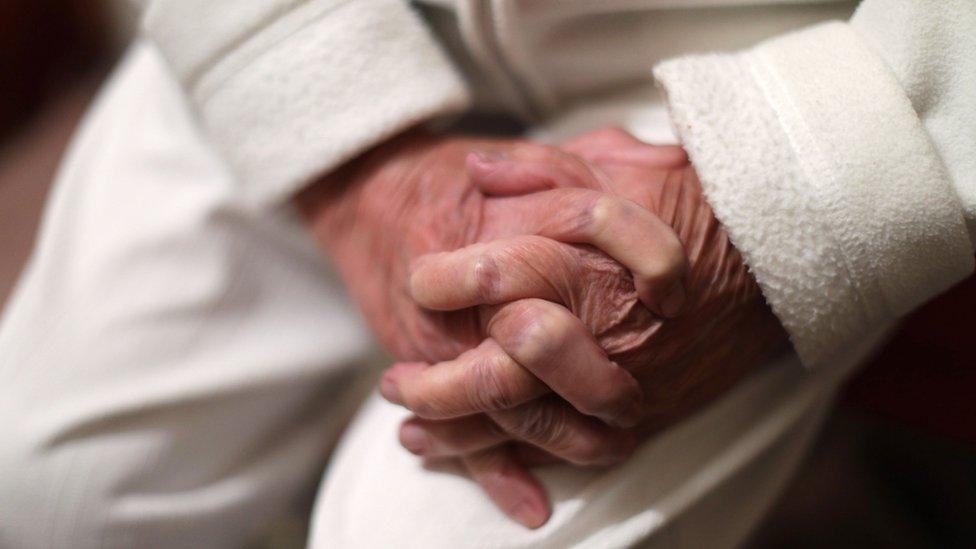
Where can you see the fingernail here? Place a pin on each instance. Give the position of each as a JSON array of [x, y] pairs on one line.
[[672, 303], [389, 388], [414, 438], [529, 514]]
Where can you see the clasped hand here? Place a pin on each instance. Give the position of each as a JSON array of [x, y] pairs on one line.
[[544, 304]]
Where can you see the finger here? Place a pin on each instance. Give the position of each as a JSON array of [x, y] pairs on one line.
[[529, 168], [530, 456], [604, 138], [451, 438], [554, 427], [483, 379], [555, 346], [616, 146], [496, 272], [622, 229], [507, 482], [554, 431]]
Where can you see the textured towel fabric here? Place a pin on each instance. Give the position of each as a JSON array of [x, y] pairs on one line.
[[931, 48], [288, 90], [173, 370], [816, 162]]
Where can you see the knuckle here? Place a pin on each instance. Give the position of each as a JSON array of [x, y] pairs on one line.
[[488, 387], [486, 278], [541, 330], [548, 426], [600, 213], [543, 425]]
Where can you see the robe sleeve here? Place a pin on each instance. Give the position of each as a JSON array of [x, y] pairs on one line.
[[286, 90], [842, 161]]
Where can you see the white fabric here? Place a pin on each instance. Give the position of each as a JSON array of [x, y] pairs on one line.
[[173, 370], [703, 484], [289, 89], [814, 160], [175, 363], [929, 46]]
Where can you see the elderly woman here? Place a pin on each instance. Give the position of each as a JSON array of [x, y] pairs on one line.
[[180, 357]]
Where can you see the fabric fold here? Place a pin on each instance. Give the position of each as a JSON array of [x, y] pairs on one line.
[[319, 83], [814, 160]]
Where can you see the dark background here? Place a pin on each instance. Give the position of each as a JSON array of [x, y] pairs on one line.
[[895, 465]]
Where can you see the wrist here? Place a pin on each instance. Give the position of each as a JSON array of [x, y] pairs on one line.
[[329, 205]]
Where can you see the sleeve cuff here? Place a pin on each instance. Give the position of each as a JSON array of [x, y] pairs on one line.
[[815, 162], [314, 88]]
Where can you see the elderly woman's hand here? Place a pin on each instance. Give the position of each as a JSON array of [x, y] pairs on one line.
[[412, 196], [681, 364]]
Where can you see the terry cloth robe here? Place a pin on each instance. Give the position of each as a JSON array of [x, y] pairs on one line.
[[177, 360]]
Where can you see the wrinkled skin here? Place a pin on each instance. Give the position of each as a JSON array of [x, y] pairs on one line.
[[412, 197], [372, 228], [367, 220], [726, 328]]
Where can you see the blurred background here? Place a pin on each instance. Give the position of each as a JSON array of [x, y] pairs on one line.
[[895, 465]]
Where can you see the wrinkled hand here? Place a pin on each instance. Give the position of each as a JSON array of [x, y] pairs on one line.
[[681, 364], [412, 196]]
